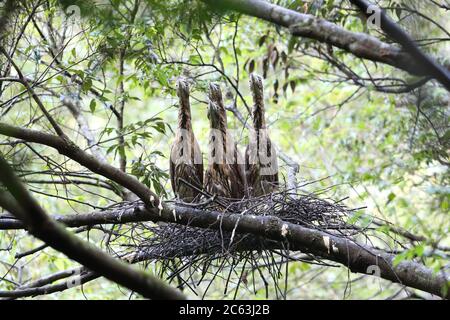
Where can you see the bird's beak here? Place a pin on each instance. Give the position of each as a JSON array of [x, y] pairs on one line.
[[255, 81], [215, 94], [182, 88]]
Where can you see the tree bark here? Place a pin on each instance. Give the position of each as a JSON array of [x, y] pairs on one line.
[[361, 45], [357, 257], [23, 206]]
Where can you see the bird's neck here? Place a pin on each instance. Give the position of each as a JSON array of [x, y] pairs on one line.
[[184, 116], [219, 121], [259, 121], [218, 128]]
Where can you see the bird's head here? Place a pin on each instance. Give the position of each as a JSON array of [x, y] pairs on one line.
[[215, 112], [184, 113], [256, 82], [257, 90], [183, 90], [215, 94]]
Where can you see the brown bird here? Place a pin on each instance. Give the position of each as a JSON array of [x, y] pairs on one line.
[[225, 175], [186, 161], [261, 164]]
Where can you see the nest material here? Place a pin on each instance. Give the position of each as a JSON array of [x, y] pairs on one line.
[[193, 256], [168, 241]]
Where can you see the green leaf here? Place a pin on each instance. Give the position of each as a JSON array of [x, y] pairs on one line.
[[391, 197], [87, 84], [92, 105], [399, 258]]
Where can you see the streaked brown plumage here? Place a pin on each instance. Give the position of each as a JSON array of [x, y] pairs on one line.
[[185, 156], [225, 175], [261, 164]]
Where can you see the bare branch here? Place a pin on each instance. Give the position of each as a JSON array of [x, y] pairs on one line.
[[49, 288], [24, 82]]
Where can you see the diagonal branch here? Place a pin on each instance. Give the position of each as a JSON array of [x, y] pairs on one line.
[[408, 44], [350, 254], [36, 290], [69, 149], [24, 206], [305, 25], [35, 97]]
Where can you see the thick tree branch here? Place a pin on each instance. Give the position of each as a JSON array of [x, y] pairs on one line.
[[69, 149], [305, 25], [48, 288], [356, 257], [23, 205], [408, 44], [54, 277]]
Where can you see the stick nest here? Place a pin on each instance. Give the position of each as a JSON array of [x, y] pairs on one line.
[[198, 258]]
